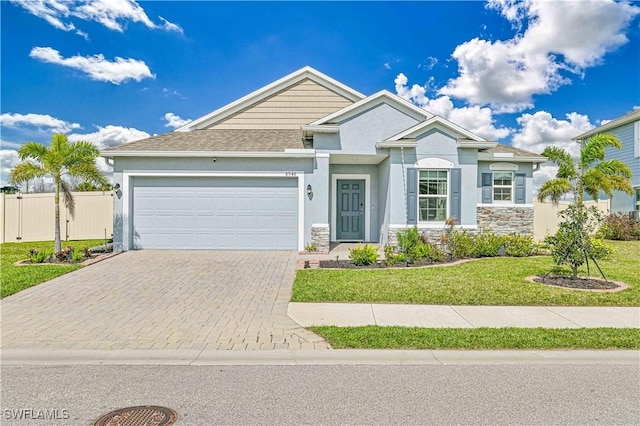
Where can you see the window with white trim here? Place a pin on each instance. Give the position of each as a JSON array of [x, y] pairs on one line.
[[503, 187], [433, 194], [637, 191]]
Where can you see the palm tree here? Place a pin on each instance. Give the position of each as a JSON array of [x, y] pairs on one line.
[[59, 159], [590, 174]]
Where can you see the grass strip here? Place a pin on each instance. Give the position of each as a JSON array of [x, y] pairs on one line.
[[377, 337]]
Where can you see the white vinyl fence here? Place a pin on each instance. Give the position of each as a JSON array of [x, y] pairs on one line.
[[545, 216], [30, 217]]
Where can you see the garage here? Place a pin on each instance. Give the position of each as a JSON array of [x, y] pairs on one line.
[[230, 213]]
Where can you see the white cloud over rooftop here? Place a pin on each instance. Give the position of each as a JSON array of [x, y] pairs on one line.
[[97, 67]]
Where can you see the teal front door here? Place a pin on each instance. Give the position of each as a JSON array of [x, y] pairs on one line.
[[350, 203]]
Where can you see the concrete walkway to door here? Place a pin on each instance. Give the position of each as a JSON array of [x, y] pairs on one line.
[[148, 299]]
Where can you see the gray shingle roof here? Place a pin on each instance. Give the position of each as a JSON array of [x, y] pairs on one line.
[[517, 152], [218, 140]]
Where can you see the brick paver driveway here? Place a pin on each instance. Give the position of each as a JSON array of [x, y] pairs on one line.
[[162, 300]]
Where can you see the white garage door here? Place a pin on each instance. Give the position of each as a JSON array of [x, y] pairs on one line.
[[215, 213]]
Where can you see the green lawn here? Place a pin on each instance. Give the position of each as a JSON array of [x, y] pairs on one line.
[[375, 337], [17, 278], [495, 281]]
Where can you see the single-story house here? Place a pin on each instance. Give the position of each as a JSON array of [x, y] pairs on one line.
[[307, 159], [627, 130]]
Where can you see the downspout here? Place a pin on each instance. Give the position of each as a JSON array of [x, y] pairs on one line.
[[404, 187], [109, 161]]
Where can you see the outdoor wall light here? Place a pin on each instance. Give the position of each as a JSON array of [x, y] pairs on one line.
[[116, 190], [309, 190]]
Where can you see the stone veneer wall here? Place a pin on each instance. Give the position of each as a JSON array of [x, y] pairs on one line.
[[320, 236], [433, 234], [506, 219], [499, 219]]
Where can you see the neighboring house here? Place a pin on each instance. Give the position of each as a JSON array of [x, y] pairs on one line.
[[306, 160], [627, 130]]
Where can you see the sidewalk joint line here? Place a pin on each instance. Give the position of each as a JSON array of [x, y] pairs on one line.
[[460, 315]]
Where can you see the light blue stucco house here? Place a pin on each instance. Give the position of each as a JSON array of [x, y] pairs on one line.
[[627, 130], [307, 159]]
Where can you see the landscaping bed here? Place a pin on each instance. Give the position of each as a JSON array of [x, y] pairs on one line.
[[17, 278], [488, 281]]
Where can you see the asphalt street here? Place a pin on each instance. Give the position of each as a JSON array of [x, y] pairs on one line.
[[531, 394]]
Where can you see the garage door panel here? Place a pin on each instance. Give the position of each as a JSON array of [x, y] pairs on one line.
[[222, 213]]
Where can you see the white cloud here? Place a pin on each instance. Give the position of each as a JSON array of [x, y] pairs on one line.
[[96, 66], [109, 136], [539, 130], [562, 38], [40, 121], [106, 137], [474, 118], [8, 159], [175, 121], [170, 26], [112, 14]]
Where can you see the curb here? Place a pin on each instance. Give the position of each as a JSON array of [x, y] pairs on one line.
[[317, 357]]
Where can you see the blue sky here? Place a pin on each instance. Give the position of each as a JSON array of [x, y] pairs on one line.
[[530, 73]]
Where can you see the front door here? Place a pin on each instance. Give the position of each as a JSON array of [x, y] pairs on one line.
[[350, 203]]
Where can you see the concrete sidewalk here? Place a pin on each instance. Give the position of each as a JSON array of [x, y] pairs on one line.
[[441, 316]]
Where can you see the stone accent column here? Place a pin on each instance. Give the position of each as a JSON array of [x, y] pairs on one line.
[[320, 235], [506, 219]]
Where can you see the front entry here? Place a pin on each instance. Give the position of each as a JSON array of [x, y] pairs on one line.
[[350, 203]]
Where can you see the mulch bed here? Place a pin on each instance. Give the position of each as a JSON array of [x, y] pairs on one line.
[[580, 283]]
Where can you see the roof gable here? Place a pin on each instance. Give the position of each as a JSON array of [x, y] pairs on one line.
[[435, 121], [383, 96], [620, 121], [287, 97]]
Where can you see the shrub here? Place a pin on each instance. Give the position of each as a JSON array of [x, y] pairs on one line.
[[518, 245], [461, 244], [620, 226], [366, 255], [487, 244], [65, 254], [77, 255], [309, 247], [39, 256], [600, 249], [408, 240], [426, 251]]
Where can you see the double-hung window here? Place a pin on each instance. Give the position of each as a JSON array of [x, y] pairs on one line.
[[433, 193], [503, 187]]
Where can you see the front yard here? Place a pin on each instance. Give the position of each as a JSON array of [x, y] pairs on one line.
[[490, 281], [17, 278]]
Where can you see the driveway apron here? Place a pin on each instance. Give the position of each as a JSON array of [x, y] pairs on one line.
[[162, 299]]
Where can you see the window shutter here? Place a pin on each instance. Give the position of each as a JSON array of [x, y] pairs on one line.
[[520, 188], [487, 188], [412, 196], [456, 195]]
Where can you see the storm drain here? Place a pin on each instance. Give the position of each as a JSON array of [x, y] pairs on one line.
[[144, 415]]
